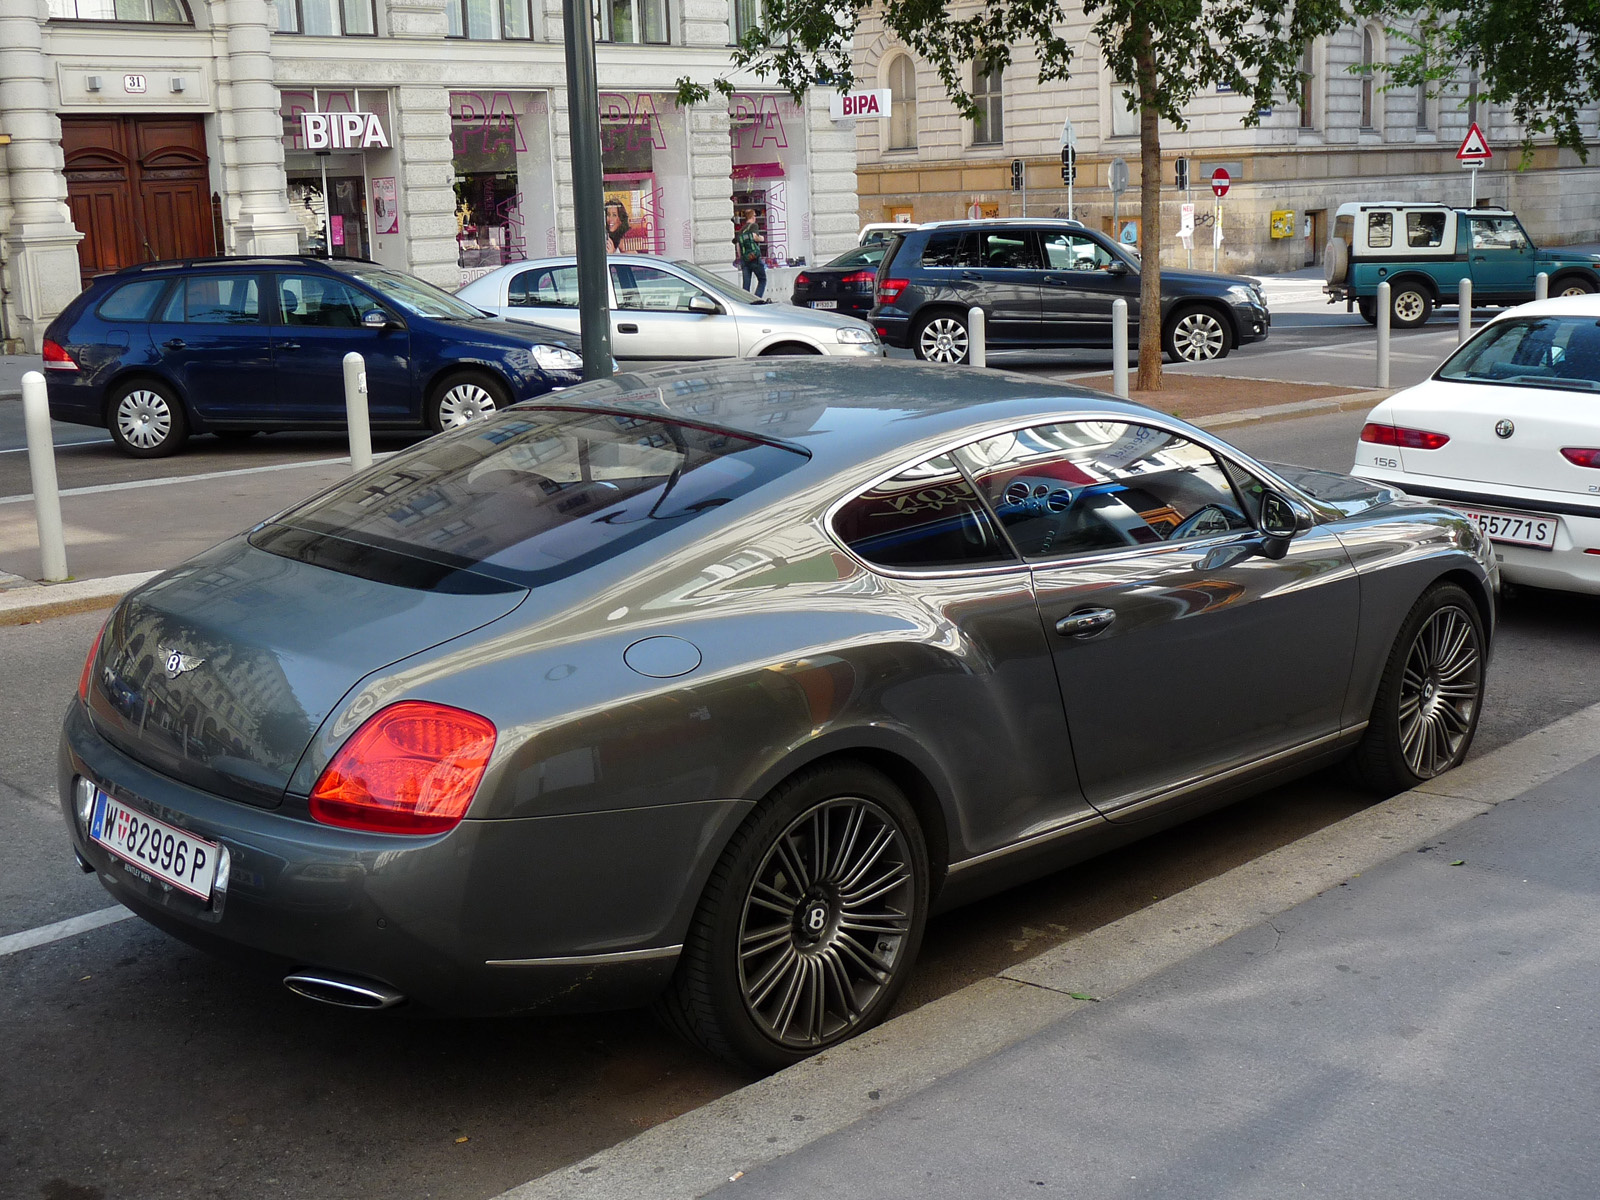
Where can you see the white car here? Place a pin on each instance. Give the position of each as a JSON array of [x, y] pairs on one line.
[[663, 309], [1508, 432]]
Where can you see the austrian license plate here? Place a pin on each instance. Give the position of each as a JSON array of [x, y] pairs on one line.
[[162, 851], [1520, 529], [824, 304]]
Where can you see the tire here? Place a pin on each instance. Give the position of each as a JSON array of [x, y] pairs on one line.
[[942, 338], [146, 419], [1435, 670], [1410, 305], [1336, 260], [463, 397], [1196, 334], [771, 971], [1368, 308], [1572, 285]]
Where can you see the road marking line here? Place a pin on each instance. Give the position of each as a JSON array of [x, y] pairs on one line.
[[45, 934], [62, 445], [168, 480]]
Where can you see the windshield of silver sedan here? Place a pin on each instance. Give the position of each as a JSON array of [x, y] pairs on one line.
[[527, 497], [1548, 352]]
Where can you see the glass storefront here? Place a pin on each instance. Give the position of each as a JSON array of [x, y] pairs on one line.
[[504, 179], [644, 157], [769, 173], [342, 189]]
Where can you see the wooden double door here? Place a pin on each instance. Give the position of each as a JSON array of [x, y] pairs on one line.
[[139, 189]]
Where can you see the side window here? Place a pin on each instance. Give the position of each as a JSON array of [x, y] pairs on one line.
[[951, 248], [926, 517], [1010, 249], [216, 300], [1380, 230], [1085, 486], [132, 301], [322, 302], [650, 289], [544, 287], [1074, 252], [1424, 230], [1498, 233]]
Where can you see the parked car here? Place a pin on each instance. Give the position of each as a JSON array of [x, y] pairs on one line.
[[1045, 284], [1507, 432], [706, 685], [1424, 251], [663, 309], [844, 285], [875, 233], [234, 346]]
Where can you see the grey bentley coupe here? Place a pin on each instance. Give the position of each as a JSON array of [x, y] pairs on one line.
[[705, 686]]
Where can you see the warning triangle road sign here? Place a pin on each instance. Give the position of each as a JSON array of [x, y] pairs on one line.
[[1474, 145]]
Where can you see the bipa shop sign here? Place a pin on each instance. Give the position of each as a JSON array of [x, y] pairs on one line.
[[343, 131], [860, 104]]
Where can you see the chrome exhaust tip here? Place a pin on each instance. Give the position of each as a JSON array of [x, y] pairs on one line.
[[343, 991]]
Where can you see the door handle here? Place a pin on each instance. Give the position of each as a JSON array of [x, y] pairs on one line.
[[174, 343], [288, 345], [972, 276], [1052, 281], [627, 327], [1085, 622]]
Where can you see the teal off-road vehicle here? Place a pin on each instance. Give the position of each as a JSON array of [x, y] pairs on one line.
[[1424, 251]]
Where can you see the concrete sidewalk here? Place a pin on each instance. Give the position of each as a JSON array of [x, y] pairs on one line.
[[12, 369], [1404, 1003]]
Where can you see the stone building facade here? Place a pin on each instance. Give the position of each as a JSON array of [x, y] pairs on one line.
[[133, 130], [1343, 137]]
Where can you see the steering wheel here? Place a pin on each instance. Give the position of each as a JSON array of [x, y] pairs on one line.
[[1206, 522]]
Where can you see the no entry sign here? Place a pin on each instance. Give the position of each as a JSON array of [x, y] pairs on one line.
[[1220, 182]]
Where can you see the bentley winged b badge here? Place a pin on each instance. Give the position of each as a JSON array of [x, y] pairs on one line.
[[177, 662]]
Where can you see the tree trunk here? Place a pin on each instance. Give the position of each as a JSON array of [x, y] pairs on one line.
[[1150, 223]]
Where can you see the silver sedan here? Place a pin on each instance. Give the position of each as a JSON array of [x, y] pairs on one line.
[[663, 309]]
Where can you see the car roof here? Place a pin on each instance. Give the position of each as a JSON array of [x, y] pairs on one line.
[[237, 261], [567, 260], [1556, 306], [1006, 223], [843, 412], [1377, 205]]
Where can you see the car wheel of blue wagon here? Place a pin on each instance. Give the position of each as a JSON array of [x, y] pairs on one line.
[[809, 924], [464, 397], [146, 419]]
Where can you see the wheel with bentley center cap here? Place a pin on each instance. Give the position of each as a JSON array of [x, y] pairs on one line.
[[809, 924]]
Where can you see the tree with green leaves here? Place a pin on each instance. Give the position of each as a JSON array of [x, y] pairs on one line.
[[1165, 52]]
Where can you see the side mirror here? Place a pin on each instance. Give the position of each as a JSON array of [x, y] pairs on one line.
[[1117, 267], [375, 318], [1280, 522], [701, 303]]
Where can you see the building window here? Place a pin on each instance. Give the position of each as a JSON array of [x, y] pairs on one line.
[[746, 17], [156, 12], [903, 104], [327, 18], [1368, 83], [1308, 82], [989, 129], [487, 20], [1124, 112], [633, 21]]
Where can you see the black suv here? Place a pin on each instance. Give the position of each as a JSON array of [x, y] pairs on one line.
[[1046, 284]]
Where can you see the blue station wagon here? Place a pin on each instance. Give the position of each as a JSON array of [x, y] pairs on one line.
[[233, 346]]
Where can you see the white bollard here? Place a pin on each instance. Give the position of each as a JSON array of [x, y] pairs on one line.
[[1541, 286], [977, 344], [1383, 335], [1119, 347], [1464, 310], [355, 407], [42, 466]]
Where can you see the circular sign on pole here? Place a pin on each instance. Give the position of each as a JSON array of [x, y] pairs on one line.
[[1220, 182]]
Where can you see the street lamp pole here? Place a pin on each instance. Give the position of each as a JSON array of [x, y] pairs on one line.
[[588, 189]]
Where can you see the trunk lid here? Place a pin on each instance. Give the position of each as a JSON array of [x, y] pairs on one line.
[[218, 673], [1344, 492]]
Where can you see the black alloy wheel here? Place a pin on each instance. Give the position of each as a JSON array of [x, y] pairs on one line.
[[1426, 710], [810, 922]]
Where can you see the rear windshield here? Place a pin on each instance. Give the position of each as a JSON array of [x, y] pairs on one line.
[[525, 498], [1547, 352]]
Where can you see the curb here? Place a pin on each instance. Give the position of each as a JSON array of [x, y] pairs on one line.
[[1348, 402], [699, 1151], [38, 602]]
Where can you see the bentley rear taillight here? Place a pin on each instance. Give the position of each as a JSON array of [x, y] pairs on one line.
[[88, 664], [1399, 435], [412, 768]]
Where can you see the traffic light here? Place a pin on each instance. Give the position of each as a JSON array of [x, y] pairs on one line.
[[1069, 165], [1016, 174], [1180, 174]]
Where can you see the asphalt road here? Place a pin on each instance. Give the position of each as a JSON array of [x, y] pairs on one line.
[[136, 1066]]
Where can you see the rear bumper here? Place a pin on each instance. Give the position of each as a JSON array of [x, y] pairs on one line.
[[553, 914]]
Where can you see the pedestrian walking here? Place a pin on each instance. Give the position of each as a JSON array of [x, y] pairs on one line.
[[749, 241]]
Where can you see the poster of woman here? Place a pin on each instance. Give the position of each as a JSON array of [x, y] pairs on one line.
[[385, 206], [629, 223]]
